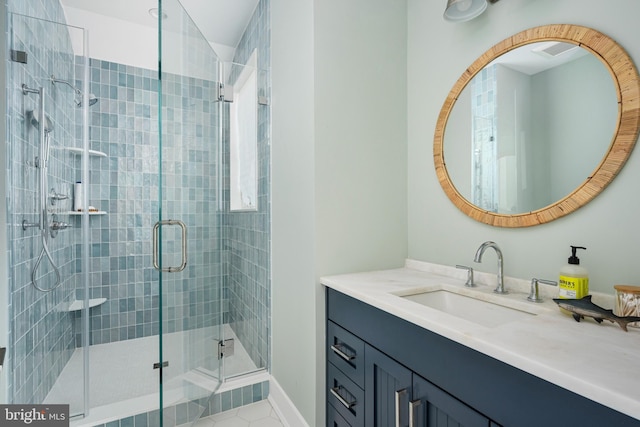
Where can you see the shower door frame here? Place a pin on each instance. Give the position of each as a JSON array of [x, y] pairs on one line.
[[85, 218], [195, 340]]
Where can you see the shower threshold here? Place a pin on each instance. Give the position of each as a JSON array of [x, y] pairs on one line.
[[122, 385]]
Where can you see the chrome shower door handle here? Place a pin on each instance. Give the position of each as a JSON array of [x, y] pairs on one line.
[[156, 237]]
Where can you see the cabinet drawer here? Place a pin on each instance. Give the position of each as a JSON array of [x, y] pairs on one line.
[[334, 419], [345, 396], [346, 352]]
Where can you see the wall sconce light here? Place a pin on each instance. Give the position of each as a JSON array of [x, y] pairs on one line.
[[464, 10]]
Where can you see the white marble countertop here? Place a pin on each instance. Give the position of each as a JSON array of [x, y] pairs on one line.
[[597, 361]]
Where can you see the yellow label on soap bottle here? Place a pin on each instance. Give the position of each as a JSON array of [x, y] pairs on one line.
[[573, 287]]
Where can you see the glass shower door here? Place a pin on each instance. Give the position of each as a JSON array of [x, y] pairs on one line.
[[187, 234]]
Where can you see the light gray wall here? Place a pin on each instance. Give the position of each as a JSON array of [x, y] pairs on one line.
[[540, 173], [513, 113], [584, 102], [438, 52], [339, 168], [292, 225], [459, 164]]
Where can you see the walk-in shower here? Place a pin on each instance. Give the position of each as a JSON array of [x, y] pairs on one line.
[[92, 322]]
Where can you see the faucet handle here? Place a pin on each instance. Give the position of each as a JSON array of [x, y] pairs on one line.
[[55, 196], [469, 283], [534, 295]]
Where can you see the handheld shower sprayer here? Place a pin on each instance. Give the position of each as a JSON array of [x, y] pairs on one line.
[[36, 118], [39, 119]]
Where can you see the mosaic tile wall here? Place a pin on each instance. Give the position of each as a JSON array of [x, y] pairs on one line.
[[41, 331], [124, 184], [483, 106], [248, 234]]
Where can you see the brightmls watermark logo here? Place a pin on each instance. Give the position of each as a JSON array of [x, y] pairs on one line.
[[34, 415]]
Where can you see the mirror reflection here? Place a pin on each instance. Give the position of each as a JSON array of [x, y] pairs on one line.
[[530, 127]]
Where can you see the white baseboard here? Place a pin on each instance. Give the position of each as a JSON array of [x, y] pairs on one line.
[[284, 407]]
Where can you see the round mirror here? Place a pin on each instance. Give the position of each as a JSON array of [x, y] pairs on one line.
[[537, 126]]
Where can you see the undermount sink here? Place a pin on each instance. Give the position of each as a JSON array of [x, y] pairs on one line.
[[480, 311]]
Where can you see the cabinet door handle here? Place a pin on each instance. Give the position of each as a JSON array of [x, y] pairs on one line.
[[337, 349], [336, 393], [413, 416], [400, 394]]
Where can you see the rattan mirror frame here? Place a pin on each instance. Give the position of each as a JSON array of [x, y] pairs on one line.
[[627, 86]]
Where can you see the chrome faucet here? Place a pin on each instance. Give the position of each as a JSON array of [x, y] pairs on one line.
[[469, 283], [478, 258], [534, 293]]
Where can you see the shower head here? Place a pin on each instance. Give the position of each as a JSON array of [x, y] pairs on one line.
[[34, 118], [92, 100], [78, 98]]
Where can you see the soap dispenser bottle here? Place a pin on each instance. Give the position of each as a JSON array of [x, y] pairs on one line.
[[574, 279]]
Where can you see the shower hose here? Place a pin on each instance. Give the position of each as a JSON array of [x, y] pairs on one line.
[[43, 252], [43, 123]]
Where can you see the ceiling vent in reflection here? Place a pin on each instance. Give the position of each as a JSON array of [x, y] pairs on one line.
[[554, 49]]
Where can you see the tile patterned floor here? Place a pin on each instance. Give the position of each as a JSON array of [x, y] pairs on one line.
[[259, 414]]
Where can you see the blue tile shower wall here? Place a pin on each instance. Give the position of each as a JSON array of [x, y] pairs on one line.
[[124, 184], [121, 128], [191, 193], [248, 234], [483, 105], [40, 332]]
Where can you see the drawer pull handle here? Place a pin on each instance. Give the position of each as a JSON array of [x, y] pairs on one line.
[[336, 392], [337, 349], [413, 408], [399, 395]]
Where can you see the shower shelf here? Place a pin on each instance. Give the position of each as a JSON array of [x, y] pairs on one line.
[[91, 152], [79, 304], [90, 213]]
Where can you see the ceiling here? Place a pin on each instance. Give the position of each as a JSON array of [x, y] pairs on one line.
[[530, 59], [220, 21]]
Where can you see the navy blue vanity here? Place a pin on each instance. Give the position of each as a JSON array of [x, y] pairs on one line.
[[386, 371]]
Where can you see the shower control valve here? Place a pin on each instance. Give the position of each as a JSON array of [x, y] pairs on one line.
[[26, 224], [55, 196], [57, 226]]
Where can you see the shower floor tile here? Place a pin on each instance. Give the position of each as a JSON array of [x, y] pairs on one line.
[[259, 414], [122, 375]]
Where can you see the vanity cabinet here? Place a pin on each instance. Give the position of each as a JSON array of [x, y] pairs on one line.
[[334, 419], [434, 408], [388, 390], [377, 362], [393, 395], [396, 396], [345, 377], [368, 388]]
